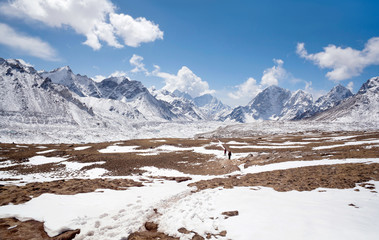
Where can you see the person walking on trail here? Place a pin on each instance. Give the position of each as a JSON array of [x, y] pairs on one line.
[[230, 154], [224, 151]]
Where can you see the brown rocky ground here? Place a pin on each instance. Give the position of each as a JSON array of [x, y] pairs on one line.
[[13, 229], [300, 179], [124, 164], [20, 194]]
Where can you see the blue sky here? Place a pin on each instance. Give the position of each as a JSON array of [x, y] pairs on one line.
[[232, 49]]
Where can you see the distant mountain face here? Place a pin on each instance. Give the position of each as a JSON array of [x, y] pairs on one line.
[[204, 107], [25, 97], [212, 108], [81, 85], [62, 97], [331, 99], [267, 105], [363, 106], [180, 104], [299, 103], [275, 103], [138, 103]]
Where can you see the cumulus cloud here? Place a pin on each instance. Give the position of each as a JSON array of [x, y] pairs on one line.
[[248, 89], [135, 31], [271, 76], [344, 62], [29, 45], [136, 62], [95, 19], [350, 86], [185, 81]]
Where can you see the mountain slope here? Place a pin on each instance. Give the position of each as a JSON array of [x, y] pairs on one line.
[[331, 99], [362, 107], [296, 105], [180, 104], [81, 85], [138, 103], [26, 97], [267, 105], [212, 108]]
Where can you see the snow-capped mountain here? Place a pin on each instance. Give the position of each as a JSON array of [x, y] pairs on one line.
[[81, 85], [211, 107], [331, 99], [25, 97], [275, 103], [361, 107], [267, 105], [296, 105], [180, 104], [204, 107], [137, 102]]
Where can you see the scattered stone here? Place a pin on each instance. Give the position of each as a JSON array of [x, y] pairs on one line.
[[183, 230], [353, 205], [150, 226], [230, 213], [146, 235], [197, 237]]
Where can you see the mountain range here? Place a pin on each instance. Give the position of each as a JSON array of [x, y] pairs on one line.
[[62, 97]]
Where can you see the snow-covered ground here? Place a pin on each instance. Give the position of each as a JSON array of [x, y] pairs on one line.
[[42, 133], [263, 213]]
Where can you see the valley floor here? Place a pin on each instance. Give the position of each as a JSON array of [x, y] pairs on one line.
[[300, 185]]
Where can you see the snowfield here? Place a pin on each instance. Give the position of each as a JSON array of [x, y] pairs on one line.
[[182, 210]]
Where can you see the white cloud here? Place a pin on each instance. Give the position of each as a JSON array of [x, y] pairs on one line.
[[26, 44], [350, 86], [185, 80], [99, 78], [136, 62], [248, 90], [135, 31], [271, 76], [119, 74], [344, 62], [95, 19]]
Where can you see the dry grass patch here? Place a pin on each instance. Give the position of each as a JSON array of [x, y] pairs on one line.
[[301, 179], [21, 194], [13, 229]]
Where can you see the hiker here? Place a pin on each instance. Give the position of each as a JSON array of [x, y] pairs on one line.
[[224, 151], [230, 154]]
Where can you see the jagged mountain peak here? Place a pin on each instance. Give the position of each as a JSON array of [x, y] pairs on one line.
[[362, 107], [181, 94], [371, 85], [118, 80], [19, 65], [332, 98], [340, 89], [65, 68]]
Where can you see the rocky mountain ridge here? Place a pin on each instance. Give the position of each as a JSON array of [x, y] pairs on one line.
[[61, 96], [276, 103]]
